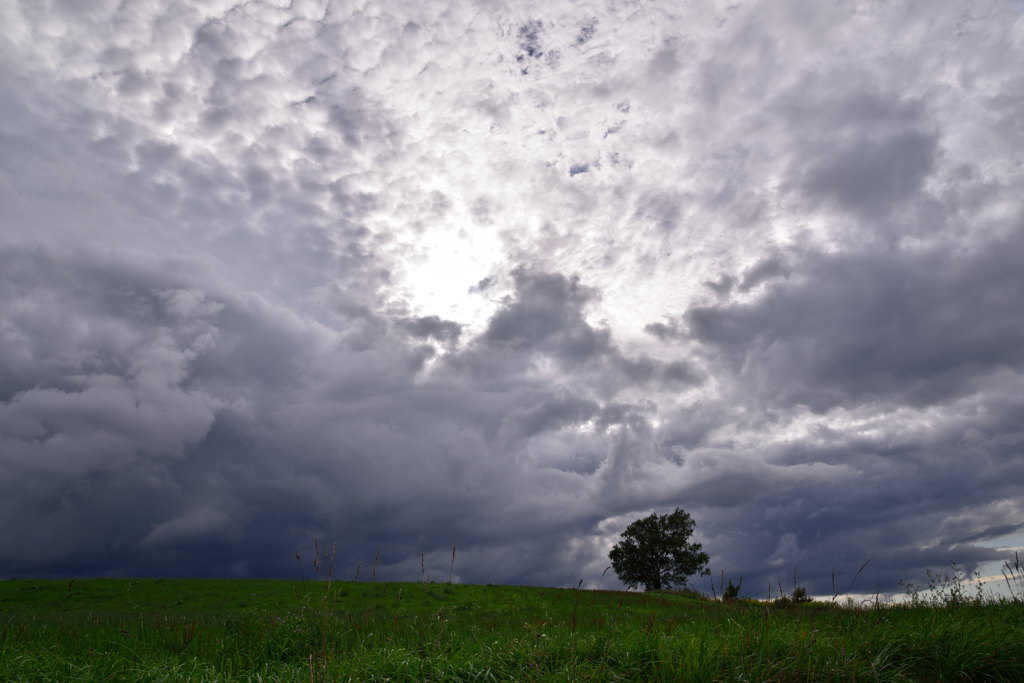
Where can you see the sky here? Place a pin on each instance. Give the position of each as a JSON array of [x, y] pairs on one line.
[[510, 275]]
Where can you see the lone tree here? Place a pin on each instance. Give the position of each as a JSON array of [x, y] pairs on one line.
[[655, 551]]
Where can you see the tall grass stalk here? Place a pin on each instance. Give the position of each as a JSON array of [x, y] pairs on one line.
[[451, 567], [1013, 574]]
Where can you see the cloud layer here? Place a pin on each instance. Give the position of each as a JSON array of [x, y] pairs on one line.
[[509, 275]]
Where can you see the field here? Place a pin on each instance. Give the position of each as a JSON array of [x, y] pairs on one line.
[[253, 630]]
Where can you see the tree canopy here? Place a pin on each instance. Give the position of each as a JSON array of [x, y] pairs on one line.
[[656, 552]]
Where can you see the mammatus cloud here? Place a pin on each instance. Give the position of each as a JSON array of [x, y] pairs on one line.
[[512, 276]]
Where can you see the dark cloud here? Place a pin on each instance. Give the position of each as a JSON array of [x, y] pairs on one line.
[[863, 151], [276, 435], [900, 516], [433, 327], [872, 176], [919, 328], [482, 286], [547, 312], [723, 285], [529, 39], [238, 310], [546, 318], [662, 331], [587, 30], [759, 273], [681, 372]]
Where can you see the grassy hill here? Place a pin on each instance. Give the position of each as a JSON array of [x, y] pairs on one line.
[[255, 630]]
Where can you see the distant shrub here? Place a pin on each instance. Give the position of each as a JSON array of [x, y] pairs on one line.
[[799, 596]]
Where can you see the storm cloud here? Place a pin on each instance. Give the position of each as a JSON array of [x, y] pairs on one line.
[[509, 276]]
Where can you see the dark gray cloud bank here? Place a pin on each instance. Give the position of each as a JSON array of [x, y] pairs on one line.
[[509, 275]]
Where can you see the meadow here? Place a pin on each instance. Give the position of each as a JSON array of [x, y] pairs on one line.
[[257, 630]]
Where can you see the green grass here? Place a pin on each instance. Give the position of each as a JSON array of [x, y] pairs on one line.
[[223, 630]]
